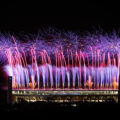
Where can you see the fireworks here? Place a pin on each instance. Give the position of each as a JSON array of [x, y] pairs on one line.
[[63, 61]]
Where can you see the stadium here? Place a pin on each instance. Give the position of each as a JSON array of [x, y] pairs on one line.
[[63, 71]]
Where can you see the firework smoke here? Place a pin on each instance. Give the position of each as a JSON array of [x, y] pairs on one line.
[[54, 59]]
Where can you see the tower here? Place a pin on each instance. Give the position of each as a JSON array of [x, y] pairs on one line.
[[119, 91], [9, 94]]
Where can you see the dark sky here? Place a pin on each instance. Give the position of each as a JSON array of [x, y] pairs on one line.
[[30, 16]]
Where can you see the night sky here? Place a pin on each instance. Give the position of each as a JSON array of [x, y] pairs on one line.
[[30, 16]]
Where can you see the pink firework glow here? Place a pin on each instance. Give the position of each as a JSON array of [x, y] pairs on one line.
[[46, 65]]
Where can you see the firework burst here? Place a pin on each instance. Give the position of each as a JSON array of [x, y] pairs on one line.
[[59, 60]]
